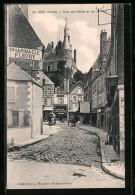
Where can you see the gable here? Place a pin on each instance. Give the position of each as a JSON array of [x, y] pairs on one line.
[[78, 89]]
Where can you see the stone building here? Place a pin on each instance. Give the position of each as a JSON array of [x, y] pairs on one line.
[[88, 91], [94, 84], [106, 82], [61, 53], [75, 97], [48, 86], [24, 107], [61, 106], [22, 35], [115, 81]]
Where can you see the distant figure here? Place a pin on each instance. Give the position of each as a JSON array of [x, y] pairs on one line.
[[72, 120]]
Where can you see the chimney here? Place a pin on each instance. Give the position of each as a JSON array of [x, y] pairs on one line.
[[69, 38], [103, 44], [52, 45], [57, 50], [75, 55]]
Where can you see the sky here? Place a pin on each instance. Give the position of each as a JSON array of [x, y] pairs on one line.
[[48, 21]]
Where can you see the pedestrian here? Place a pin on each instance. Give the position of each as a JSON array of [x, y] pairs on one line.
[[74, 121]]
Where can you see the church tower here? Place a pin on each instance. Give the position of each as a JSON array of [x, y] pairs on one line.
[[66, 42]]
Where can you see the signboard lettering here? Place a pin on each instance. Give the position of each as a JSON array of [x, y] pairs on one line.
[[24, 53]]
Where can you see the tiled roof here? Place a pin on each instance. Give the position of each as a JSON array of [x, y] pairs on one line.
[[79, 82], [15, 73], [21, 33], [97, 62], [47, 80]]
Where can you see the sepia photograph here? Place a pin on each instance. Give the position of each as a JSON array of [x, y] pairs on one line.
[[65, 102]]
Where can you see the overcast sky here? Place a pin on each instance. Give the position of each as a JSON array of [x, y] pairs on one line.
[[48, 21]]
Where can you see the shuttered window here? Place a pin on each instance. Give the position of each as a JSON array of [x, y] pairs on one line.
[[11, 94]]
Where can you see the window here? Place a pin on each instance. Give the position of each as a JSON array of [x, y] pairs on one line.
[[26, 118], [61, 100], [48, 102], [11, 94], [48, 68], [80, 98], [75, 99], [79, 90], [48, 90]]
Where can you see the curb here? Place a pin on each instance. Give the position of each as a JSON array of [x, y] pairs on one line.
[[107, 170], [103, 166], [17, 147]]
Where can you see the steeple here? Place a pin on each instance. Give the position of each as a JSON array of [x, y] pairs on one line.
[[66, 44]]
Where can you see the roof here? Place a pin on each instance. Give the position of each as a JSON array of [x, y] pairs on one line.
[[79, 82], [15, 73], [47, 80], [21, 33], [97, 62], [49, 49]]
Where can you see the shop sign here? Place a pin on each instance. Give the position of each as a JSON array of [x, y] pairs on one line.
[[24, 53]]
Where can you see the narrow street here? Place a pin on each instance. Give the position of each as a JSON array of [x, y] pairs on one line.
[[74, 153], [70, 146]]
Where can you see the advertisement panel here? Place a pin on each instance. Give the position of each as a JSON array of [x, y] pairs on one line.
[[24, 53]]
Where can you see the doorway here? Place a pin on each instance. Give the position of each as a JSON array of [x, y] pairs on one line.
[[15, 118]]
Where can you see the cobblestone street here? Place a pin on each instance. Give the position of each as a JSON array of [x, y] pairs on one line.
[[70, 146], [70, 158]]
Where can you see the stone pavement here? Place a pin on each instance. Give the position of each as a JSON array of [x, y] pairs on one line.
[[110, 160], [68, 146], [47, 131]]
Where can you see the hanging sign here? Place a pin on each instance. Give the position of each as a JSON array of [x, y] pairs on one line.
[[24, 53]]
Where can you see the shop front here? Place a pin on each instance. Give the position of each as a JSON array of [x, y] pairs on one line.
[[46, 113], [61, 112]]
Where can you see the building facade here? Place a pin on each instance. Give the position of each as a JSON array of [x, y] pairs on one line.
[[94, 84], [88, 92], [106, 82], [61, 106], [24, 107], [48, 86], [115, 81], [61, 53], [75, 97], [22, 35]]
